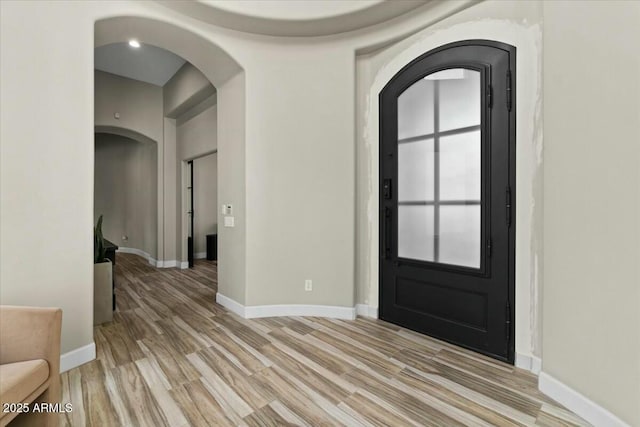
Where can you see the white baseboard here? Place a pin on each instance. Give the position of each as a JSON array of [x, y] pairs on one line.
[[77, 357], [154, 262], [141, 253], [200, 255], [231, 305], [257, 311], [528, 363], [332, 311], [366, 311], [167, 264], [578, 403], [184, 264]]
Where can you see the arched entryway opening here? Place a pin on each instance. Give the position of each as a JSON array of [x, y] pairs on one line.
[[227, 76], [126, 188]]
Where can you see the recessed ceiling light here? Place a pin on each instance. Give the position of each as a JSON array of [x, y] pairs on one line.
[[134, 43]]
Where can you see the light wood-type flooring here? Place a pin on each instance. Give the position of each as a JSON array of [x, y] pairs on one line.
[[173, 357]]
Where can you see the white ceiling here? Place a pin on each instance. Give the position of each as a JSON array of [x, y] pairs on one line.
[[147, 63]]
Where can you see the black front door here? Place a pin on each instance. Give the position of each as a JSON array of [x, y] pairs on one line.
[[447, 168]]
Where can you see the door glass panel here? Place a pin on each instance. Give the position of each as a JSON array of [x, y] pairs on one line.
[[460, 235], [439, 169], [460, 166], [459, 100], [415, 110], [415, 232], [415, 171]]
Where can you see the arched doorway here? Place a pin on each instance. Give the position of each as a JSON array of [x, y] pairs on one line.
[[125, 190], [226, 74]]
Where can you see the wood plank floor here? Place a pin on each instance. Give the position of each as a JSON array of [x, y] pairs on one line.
[[173, 357]]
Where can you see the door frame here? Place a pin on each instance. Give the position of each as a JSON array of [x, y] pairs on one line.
[[190, 226], [183, 217], [511, 232]]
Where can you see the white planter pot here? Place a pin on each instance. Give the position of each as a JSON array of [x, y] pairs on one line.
[[102, 293]]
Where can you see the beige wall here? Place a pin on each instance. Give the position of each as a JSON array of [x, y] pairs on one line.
[[591, 300], [300, 213], [170, 174], [46, 122], [232, 243], [126, 191], [187, 87], [139, 105], [198, 135]]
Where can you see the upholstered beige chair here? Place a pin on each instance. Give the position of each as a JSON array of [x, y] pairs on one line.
[[29, 362]]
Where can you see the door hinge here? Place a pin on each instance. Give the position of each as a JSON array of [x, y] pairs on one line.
[[508, 205], [489, 96], [509, 90], [507, 322], [489, 247]]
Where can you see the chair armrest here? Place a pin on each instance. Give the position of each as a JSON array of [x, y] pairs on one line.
[[28, 333]]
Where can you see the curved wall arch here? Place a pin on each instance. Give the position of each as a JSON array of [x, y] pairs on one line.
[[127, 133], [227, 75], [211, 59]]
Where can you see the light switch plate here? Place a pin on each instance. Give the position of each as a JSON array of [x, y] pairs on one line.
[[229, 221]]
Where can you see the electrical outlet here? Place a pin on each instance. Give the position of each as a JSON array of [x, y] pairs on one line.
[[308, 285]]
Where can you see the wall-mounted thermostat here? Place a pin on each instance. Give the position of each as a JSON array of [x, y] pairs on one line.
[[227, 210]]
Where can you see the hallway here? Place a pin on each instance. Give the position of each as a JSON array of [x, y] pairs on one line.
[[173, 357]]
